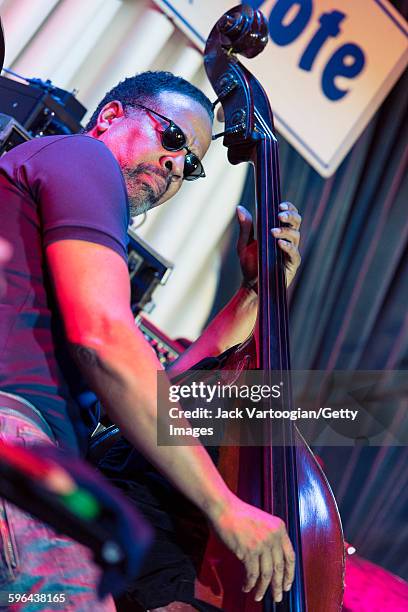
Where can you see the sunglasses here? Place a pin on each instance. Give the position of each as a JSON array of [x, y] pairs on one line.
[[174, 139]]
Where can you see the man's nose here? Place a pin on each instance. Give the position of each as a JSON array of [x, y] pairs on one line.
[[173, 163]]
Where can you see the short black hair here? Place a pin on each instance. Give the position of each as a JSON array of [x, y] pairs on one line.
[[145, 86]]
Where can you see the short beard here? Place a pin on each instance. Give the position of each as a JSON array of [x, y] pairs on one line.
[[144, 196]]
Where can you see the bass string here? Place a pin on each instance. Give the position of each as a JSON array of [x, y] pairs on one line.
[[269, 200], [288, 457]]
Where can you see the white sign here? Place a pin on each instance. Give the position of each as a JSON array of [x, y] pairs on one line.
[[328, 65]]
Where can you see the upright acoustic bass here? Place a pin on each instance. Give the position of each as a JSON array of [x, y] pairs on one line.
[[281, 477]]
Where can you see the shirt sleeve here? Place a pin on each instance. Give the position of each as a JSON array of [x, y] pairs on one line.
[[81, 193]]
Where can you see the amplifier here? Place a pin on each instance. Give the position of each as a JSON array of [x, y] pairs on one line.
[[11, 133], [166, 349], [41, 108], [147, 269]]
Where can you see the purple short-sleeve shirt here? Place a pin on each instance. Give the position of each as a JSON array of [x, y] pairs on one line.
[[52, 188]]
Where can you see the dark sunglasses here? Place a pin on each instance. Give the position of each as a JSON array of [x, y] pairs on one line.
[[173, 139]]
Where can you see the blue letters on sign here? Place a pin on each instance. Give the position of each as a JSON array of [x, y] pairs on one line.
[[347, 61], [336, 66], [285, 34], [329, 26]]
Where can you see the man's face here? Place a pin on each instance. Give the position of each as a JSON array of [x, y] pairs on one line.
[[153, 174]]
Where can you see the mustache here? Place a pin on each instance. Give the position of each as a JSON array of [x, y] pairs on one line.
[[150, 169], [142, 195]]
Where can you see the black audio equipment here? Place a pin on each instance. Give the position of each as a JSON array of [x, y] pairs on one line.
[[11, 133], [166, 349], [147, 269], [40, 107]]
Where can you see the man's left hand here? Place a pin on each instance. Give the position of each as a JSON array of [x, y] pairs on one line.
[[288, 240]]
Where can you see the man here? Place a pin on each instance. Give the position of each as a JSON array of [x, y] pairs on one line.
[[66, 310]]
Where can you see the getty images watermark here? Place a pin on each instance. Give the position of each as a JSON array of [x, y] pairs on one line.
[[254, 393], [257, 408]]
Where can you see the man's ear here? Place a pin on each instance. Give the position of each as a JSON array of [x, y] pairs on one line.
[[111, 112]]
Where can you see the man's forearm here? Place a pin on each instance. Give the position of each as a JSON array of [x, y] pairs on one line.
[[123, 373], [232, 325]]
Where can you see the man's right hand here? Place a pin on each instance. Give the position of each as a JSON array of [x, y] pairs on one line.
[[261, 542]]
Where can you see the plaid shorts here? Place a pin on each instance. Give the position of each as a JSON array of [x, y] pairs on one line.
[[34, 559]]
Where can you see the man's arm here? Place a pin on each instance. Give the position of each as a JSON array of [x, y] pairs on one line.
[[232, 325], [235, 322], [92, 289]]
